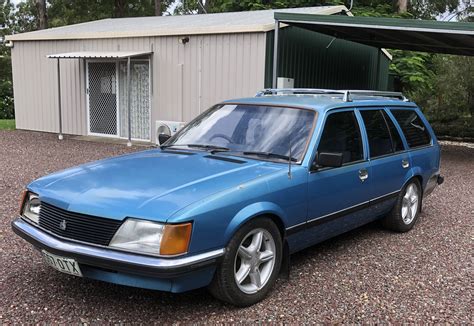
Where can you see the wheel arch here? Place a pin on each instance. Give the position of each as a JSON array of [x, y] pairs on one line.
[[256, 210], [416, 172]]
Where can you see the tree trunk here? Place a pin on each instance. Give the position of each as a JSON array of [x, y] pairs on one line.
[[158, 8], [200, 6], [402, 6], [42, 16], [119, 8]]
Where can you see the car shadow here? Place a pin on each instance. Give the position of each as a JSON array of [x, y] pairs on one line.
[[116, 301]]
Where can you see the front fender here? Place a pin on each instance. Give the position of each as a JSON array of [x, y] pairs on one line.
[[251, 211]]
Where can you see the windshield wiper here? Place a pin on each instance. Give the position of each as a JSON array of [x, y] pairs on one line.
[[269, 154], [203, 146], [211, 147]]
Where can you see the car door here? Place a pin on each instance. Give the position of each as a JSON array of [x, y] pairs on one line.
[[338, 197], [389, 161]]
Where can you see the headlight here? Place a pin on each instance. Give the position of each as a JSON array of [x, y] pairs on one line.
[[31, 206], [152, 238]]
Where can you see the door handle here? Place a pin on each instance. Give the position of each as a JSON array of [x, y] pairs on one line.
[[405, 164], [363, 175]]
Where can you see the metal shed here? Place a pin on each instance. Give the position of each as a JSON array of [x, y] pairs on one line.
[[179, 66]]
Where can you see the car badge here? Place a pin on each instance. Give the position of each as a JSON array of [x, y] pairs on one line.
[[63, 225]]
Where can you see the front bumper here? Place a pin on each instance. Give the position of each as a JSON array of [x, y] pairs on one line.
[[113, 260]]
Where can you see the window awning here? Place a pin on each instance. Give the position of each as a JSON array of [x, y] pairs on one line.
[[99, 55], [392, 33]]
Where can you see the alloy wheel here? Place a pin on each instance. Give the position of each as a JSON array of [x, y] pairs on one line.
[[410, 203], [254, 261]]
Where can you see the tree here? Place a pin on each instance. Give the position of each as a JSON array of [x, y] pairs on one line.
[[402, 6], [6, 85], [158, 11], [42, 16], [408, 8]]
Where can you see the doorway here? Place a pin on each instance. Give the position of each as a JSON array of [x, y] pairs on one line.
[[107, 99]]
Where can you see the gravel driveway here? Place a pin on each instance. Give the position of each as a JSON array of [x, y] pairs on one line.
[[368, 275]]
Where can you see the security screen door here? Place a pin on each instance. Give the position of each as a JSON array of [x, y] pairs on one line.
[[108, 106], [102, 90]]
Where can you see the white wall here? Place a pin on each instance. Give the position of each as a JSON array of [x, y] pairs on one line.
[[187, 79]]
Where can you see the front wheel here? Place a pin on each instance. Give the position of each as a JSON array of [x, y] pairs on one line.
[[250, 265], [407, 209]]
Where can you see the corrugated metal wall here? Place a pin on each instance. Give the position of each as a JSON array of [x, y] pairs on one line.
[[186, 79], [316, 60]]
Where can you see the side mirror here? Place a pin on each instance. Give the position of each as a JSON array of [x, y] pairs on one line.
[[162, 138], [333, 160]]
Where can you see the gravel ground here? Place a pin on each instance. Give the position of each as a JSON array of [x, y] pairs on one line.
[[367, 275]]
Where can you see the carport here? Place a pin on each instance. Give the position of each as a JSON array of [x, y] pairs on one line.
[[392, 33]]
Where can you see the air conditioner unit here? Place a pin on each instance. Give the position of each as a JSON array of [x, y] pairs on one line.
[[167, 128]]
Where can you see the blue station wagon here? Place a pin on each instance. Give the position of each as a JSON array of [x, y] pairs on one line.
[[225, 201]]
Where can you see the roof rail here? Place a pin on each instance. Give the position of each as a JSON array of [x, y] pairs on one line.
[[349, 92], [297, 91], [346, 94]]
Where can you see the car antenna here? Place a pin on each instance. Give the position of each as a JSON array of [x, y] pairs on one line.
[[289, 161]]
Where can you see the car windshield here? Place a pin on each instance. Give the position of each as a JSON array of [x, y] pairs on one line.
[[254, 130]]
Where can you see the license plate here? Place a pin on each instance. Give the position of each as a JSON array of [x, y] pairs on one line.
[[62, 264]]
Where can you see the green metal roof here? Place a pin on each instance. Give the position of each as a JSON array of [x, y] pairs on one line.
[[394, 33]]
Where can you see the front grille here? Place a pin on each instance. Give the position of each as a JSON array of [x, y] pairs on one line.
[[79, 227]]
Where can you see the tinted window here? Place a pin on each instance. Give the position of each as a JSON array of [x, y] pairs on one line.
[[413, 128], [378, 134], [397, 143], [341, 134]]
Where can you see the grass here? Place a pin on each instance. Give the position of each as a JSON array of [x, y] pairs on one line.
[[7, 124]]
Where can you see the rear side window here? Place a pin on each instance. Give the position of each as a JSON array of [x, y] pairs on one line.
[[397, 143], [378, 134], [413, 128], [341, 134]]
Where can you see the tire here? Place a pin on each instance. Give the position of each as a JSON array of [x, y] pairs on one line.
[[249, 264], [406, 211]]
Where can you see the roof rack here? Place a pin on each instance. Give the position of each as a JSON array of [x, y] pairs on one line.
[[346, 94], [297, 91]]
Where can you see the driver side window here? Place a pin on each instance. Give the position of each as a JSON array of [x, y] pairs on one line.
[[341, 134]]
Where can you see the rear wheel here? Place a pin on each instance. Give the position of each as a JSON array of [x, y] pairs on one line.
[[405, 213], [251, 264]]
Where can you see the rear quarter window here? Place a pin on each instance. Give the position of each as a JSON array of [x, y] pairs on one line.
[[413, 127]]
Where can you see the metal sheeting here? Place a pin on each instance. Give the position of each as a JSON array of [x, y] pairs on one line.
[[185, 79], [406, 34], [231, 22], [98, 55], [318, 60]]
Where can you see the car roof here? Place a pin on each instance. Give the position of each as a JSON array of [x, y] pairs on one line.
[[320, 102]]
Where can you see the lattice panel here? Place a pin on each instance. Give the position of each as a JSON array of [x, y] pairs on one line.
[[102, 98]]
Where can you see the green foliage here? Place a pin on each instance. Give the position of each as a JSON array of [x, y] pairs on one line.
[[428, 9], [414, 70], [449, 105], [382, 9], [7, 124], [67, 12], [24, 19], [6, 86], [442, 85]]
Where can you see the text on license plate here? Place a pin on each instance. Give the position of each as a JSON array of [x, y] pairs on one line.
[[62, 264]]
